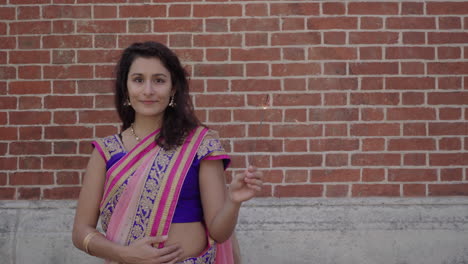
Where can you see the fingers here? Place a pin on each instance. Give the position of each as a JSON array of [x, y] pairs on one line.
[[171, 256], [155, 240]]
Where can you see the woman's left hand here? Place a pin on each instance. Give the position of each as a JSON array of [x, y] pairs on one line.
[[245, 185]]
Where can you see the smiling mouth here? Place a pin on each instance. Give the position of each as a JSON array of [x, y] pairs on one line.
[[149, 102]]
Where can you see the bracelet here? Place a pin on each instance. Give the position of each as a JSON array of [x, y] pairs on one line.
[[87, 239]]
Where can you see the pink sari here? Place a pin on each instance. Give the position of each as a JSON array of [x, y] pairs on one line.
[[142, 190]]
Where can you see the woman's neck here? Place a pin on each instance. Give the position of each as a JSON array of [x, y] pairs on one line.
[[144, 126]]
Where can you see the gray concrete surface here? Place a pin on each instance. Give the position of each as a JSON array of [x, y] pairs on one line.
[[272, 230]]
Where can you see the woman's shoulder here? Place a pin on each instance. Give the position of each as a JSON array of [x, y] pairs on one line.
[[109, 145]]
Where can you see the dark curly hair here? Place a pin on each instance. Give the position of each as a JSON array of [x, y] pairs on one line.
[[178, 121]]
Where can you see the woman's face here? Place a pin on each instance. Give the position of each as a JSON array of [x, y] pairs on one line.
[[149, 87]]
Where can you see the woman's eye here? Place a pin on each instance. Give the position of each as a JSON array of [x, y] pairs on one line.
[[159, 81], [138, 80]]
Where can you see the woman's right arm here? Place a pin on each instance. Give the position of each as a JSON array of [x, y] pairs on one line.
[[86, 218]]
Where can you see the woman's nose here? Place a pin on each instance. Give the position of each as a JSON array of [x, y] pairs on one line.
[[148, 88]]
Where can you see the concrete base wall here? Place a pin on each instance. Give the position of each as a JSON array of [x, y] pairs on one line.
[[322, 231]]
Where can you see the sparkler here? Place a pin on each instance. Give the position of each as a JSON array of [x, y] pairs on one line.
[[259, 128]]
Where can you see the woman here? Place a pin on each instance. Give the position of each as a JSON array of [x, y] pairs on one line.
[[159, 185]]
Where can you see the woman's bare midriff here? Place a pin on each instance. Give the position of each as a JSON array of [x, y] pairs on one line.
[[190, 236]]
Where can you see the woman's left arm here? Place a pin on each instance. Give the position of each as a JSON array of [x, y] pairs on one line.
[[220, 205]]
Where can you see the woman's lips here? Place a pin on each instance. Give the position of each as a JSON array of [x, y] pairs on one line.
[[148, 102]]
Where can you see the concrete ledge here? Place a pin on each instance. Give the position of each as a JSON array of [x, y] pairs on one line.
[[272, 230]]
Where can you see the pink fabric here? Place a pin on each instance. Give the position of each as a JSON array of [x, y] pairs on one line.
[[224, 253]]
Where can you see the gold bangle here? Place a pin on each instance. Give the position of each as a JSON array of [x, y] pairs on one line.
[[87, 239]]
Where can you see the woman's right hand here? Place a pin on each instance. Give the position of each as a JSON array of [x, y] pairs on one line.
[[143, 252]]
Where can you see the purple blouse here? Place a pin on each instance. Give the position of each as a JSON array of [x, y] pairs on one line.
[[189, 207]]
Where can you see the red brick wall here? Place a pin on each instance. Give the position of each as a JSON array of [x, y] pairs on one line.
[[367, 98]]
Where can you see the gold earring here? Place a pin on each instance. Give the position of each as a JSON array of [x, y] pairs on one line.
[[127, 102], [171, 102]]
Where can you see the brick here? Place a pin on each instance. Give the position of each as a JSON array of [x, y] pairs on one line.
[[296, 99], [8, 102], [414, 190], [29, 57], [175, 25], [256, 115], [7, 193], [256, 39], [32, 28], [251, 85], [409, 83], [412, 68], [98, 116], [448, 98], [9, 133], [67, 132], [30, 133], [64, 87], [449, 144], [65, 147], [258, 145], [459, 189], [295, 115], [373, 8], [217, 85], [375, 98], [334, 38], [63, 57], [127, 11], [26, 118], [105, 41], [296, 84], [217, 10], [403, 53], [296, 176], [32, 178], [100, 26], [28, 12], [139, 26], [447, 37], [292, 23], [369, 190], [104, 11], [98, 56], [180, 10], [371, 23], [333, 8], [66, 11], [298, 191], [450, 23], [336, 190], [410, 23], [445, 8], [30, 102], [336, 130], [67, 41], [335, 68], [300, 38], [414, 159], [58, 193], [297, 130], [325, 23], [7, 73], [373, 144], [333, 144], [254, 24], [336, 160], [446, 128], [256, 54], [414, 129], [63, 26], [450, 113], [68, 72], [373, 68], [451, 174], [29, 193], [332, 53], [216, 25], [206, 100], [373, 38], [295, 145], [68, 177], [7, 42], [375, 159], [29, 87], [294, 9], [333, 114], [295, 69], [64, 162], [413, 113], [218, 70], [7, 13], [373, 175], [413, 98], [412, 8], [256, 10], [335, 99], [412, 175], [28, 42], [95, 86], [335, 175], [448, 159], [9, 163], [411, 144], [370, 53], [449, 53]]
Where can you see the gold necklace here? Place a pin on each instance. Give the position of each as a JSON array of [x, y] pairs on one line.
[[133, 133]]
